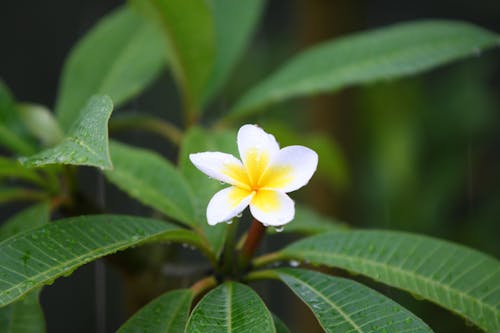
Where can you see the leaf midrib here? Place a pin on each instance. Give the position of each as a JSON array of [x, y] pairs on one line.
[[407, 273], [229, 307], [119, 245], [333, 305]]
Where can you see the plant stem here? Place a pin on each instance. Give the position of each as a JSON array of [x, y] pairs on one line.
[[22, 194], [148, 123], [254, 237], [203, 285], [261, 275], [267, 259]]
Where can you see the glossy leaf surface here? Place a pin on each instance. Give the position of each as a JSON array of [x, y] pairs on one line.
[[32, 259], [387, 53], [25, 315], [231, 308], [460, 279], [165, 314], [152, 180], [86, 142], [342, 305]]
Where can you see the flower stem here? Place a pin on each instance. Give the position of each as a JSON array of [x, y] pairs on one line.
[[254, 237], [147, 123]]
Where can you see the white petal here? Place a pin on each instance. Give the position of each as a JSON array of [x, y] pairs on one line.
[[291, 169], [256, 149], [227, 203], [223, 167], [272, 208]]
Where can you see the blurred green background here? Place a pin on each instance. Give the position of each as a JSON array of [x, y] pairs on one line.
[[420, 154]]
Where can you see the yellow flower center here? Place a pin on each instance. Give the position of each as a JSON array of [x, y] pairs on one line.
[[257, 176]]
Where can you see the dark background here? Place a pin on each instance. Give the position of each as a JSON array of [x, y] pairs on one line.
[[423, 152]]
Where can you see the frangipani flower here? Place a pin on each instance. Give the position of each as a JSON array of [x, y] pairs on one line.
[[260, 179]]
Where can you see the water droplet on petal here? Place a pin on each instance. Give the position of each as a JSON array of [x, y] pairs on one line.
[[279, 229], [239, 215], [229, 222]]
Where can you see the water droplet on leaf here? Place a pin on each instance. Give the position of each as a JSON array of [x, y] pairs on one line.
[[279, 229]]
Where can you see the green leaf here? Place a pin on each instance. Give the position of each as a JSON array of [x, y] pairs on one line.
[[32, 259], [308, 222], [86, 143], [41, 123], [342, 305], [25, 220], [235, 22], [386, 53], [198, 140], [24, 316], [189, 30], [460, 279], [10, 168], [119, 57], [280, 326], [231, 307], [12, 131], [165, 314], [152, 180]]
